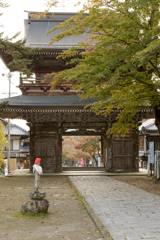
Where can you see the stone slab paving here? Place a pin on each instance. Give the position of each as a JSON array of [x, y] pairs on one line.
[[127, 212]]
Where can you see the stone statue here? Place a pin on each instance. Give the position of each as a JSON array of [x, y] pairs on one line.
[[37, 169], [37, 204]]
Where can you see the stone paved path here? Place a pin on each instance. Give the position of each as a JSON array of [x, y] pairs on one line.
[[127, 212]]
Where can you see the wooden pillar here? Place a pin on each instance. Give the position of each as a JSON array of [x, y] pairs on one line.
[[136, 149], [103, 150], [108, 160], [59, 153], [102, 157], [31, 148]]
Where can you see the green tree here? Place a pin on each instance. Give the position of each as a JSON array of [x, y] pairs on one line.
[[3, 143], [120, 61]]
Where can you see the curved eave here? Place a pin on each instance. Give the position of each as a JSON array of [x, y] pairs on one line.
[[43, 102], [7, 58], [43, 53]]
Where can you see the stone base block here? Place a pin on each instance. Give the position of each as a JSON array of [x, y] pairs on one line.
[[37, 195], [35, 206]]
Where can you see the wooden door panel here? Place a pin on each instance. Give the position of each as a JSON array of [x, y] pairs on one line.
[[123, 154], [45, 149]]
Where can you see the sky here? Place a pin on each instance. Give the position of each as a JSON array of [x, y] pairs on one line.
[[13, 22]]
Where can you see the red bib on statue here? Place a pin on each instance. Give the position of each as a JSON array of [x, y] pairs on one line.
[[38, 169]]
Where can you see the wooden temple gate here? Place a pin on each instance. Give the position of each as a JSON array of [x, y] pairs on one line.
[[49, 118], [48, 126]]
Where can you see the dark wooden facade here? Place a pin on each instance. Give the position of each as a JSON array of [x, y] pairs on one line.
[[48, 126], [50, 118]]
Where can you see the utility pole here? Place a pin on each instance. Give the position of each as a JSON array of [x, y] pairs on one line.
[[8, 75], [8, 149]]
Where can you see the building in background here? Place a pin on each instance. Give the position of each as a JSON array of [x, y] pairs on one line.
[[19, 146], [148, 132]]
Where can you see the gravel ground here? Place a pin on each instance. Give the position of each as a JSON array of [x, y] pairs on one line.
[[66, 219]]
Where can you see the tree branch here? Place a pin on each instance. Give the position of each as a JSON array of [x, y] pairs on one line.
[[155, 67]]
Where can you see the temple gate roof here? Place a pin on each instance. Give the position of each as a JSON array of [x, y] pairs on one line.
[[46, 101], [36, 31]]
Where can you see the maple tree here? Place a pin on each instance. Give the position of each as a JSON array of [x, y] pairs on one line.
[[120, 60], [72, 148], [89, 145]]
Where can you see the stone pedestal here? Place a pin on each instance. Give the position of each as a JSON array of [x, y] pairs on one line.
[[37, 195], [37, 204]]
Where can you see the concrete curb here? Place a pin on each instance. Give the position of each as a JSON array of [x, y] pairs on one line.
[[26, 172], [67, 175], [96, 221], [101, 228]]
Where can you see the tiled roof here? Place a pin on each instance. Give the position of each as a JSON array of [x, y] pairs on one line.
[[150, 127], [46, 101], [14, 129], [36, 32]]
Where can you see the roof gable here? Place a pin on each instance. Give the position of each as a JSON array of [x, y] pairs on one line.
[[14, 129]]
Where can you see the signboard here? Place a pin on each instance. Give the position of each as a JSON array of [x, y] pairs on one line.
[[151, 152]]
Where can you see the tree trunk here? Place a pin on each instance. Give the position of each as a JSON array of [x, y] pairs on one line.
[[157, 116]]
